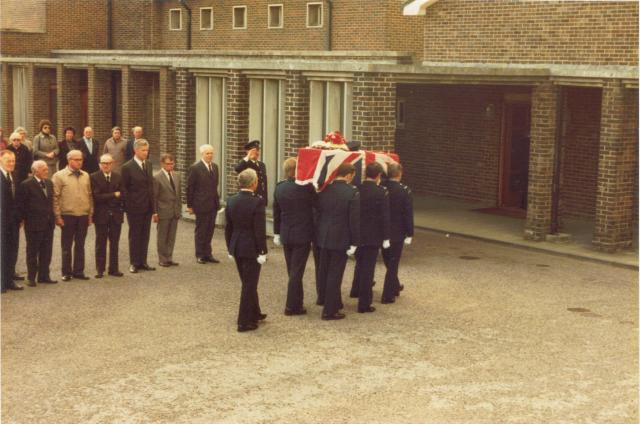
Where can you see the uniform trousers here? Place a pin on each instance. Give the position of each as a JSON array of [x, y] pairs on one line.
[[316, 262], [332, 264], [296, 258], [391, 258], [365, 269], [249, 270], [139, 231], [10, 240], [205, 225], [39, 251], [73, 235], [110, 232], [167, 229]]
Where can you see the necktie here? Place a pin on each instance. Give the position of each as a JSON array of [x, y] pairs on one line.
[[144, 167], [173, 187], [13, 187], [108, 177], [210, 169], [44, 187], [76, 173]]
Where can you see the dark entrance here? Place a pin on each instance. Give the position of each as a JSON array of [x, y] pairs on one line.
[[514, 169]]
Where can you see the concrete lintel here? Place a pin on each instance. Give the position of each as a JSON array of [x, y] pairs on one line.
[[265, 74]]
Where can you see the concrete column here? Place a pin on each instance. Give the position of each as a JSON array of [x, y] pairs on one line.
[[32, 109], [167, 111], [543, 139], [6, 108], [237, 124], [185, 123], [296, 113], [99, 99], [618, 160], [374, 112]]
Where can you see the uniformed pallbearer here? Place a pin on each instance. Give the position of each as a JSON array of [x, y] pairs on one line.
[[252, 161]]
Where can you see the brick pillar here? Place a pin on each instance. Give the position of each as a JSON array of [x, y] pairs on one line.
[[618, 159], [296, 113], [237, 125], [374, 111], [543, 140], [167, 111], [99, 97], [6, 108], [68, 106], [185, 122]]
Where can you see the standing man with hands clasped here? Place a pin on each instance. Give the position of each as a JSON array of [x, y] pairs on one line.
[[169, 208], [245, 235]]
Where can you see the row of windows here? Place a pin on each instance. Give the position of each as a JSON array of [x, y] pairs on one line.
[[275, 17]]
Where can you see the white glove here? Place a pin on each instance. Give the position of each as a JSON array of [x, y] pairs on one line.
[[351, 251], [386, 244], [408, 240], [230, 256], [262, 259], [276, 240]]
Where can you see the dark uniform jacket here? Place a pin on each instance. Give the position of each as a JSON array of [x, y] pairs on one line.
[[35, 208], [24, 160], [293, 206], [202, 188], [245, 229], [138, 186], [338, 224], [105, 203], [401, 209], [90, 163], [374, 214], [261, 170]]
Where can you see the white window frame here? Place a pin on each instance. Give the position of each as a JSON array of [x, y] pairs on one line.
[[321, 14], [281, 8], [233, 17], [202, 9], [401, 120], [171, 20]]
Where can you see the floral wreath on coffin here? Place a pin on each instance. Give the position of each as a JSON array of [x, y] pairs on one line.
[[333, 140]]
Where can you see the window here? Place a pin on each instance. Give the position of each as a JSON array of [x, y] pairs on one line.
[[175, 19], [206, 18], [329, 109], [314, 15], [400, 113], [240, 17], [275, 16]]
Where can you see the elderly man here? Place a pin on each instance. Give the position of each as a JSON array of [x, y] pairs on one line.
[[108, 199], [45, 145], [116, 146], [137, 183], [136, 134], [245, 234], [204, 202], [252, 161], [90, 151], [24, 157], [169, 208], [73, 208], [35, 199], [10, 219]]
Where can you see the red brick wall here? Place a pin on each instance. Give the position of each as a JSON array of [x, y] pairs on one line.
[[449, 146], [532, 32]]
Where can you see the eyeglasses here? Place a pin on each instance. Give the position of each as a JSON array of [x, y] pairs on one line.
[[46, 127], [76, 159], [106, 163]]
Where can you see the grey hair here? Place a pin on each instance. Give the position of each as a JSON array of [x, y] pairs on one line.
[[206, 148], [73, 153], [38, 164], [141, 142], [15, 136], [106, 157], [247, 177], [19, 129]]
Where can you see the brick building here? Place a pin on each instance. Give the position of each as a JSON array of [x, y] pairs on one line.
[[523, 104]]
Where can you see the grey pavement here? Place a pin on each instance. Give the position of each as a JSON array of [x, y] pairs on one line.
[[482, 333]]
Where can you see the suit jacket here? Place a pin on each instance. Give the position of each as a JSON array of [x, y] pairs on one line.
[[34, 207], [293, 207], [65, 147], [128, 152], [168, 203], [9, 211], [401, 210], [91, 160], [24, 159], [202, 188], [261, 170], [338, 224], [138, 186], [245, 229], [105, 203], [374, 214]]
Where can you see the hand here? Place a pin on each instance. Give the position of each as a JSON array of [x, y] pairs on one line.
[[230, 256], [408, 240], [190, 210], [22, 223], [246, 158], [90, 220], [60, 222], [276, 240], [155, 218], [262, 259], [386, 244], [51, 155], [117, 194], [351, 251]]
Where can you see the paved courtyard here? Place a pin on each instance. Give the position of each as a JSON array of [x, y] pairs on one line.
[[482, 333]]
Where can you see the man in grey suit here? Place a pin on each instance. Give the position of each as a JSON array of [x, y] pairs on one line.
[[168, 207]]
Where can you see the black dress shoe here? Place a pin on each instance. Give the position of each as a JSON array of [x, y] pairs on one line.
[[373, 284], [67, 278], [17, 277], [212, 260], [99, 275], [320, 302], [385, 301], [202, 261], [146, 267], [261, 317], [291, 312], [174, 263], [365, 310], [247, 327], [401, 287], [15, 286], [80, 276], [48, 281], [3, 290], [353, 296], [31, 283], [165, 264], [116, 274], [133, 269], [336, 316]]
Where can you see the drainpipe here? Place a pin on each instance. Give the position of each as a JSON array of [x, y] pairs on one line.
[[186, 6], [329, 22], [110, 24], [557, 160]]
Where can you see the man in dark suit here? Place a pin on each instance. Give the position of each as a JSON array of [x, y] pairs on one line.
[[169, 208], [35, 200], [374, 233], [245, 234], [204, 201], [10, 217], [136, 134], [108, 215], [252, 161], [401, 230], [293, 228], [137, 184], [90, 151], [338, 234]]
